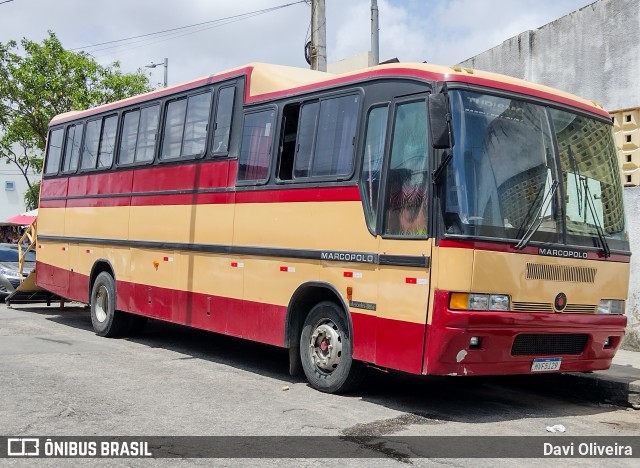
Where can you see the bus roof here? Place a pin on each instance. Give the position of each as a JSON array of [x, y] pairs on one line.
[[267, 81]]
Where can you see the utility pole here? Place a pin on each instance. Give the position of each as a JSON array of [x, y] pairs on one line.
[[318, 36], [375, 39]]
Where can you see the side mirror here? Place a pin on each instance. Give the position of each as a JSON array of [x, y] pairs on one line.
[[440, 121]]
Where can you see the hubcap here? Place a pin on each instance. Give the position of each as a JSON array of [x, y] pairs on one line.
[[325, 346], [102, 304]]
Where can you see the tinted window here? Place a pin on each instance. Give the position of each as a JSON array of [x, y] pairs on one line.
[[255, 151], [173, 129], [91, 142], [147, 133], [224, 112], [306, 133], [408, 177], [108, 141], [72, 148], [336, 136], [195, 129], [129, 137], [372, 161], [54, 151]]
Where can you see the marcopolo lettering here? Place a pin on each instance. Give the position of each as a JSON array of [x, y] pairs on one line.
[[562, 253], [349, 257]]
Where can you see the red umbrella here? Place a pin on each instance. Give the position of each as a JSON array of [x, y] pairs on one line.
[[23, 219]]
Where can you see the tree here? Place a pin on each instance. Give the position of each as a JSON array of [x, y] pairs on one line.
[[43, 80]]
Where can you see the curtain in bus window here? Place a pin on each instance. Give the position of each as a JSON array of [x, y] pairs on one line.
[[108, 141], [197, 120], [408, 177], [129, 137], [91, 142], [224, 112], [372, 161], [147, 133], [255, 152], [336, 136], [72, 149], [306, 132], [173, 129], [54, 151]]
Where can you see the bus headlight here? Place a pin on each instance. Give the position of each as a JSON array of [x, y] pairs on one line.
[[611, 306], [493, 302]]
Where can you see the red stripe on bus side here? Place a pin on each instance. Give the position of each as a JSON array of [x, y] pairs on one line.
[[530, 250], [327, 194], [390, 343]]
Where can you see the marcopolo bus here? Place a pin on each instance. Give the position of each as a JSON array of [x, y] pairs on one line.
[[427, 219]]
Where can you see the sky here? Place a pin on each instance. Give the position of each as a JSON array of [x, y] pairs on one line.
[[436, 31]]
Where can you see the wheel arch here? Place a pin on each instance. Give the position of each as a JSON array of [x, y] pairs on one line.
[[304, 297], [100, 265]]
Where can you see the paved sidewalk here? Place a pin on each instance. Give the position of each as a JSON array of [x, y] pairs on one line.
[[621, 383]]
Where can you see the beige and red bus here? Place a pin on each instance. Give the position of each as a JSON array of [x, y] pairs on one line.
[[421, 218]]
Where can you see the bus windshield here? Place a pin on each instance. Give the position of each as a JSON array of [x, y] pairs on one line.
[[521, 170]]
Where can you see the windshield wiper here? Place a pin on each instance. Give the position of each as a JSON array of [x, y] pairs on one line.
[[587, 193], [534, 222]]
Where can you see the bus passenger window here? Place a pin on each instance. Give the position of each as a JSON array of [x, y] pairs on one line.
[[147, 133], [290, 117], [197, 121], [72, 148], [336, 137], [173, 129], [408, 177], [372, 161], [129, 137], [255, 152], [54, 151], [107, 141], [306, 133], [91, 142], [224, 113]]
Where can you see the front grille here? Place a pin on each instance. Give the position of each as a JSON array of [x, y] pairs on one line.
[[532, 307], [580, 309], [536, 345], [571, 274]]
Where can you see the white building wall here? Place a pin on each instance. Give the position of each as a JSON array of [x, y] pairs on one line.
[[12, 201], [593, 52]]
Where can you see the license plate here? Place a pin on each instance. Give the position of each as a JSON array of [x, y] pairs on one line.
[[546, 364]]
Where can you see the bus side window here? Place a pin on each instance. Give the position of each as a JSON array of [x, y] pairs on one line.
[[222, 125], [372, 161], [255, 151], [107, 141], [54, 151], [91, 143], [72, 148], [408, 177]]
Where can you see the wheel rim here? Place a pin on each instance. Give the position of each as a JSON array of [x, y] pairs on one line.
[[325, 346], [102, 304]]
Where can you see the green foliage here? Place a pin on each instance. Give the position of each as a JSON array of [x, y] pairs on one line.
[[31, 196], [42, 80]]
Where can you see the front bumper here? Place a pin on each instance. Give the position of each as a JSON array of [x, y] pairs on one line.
[[448, 351]]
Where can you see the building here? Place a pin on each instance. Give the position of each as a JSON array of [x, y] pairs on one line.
[[593, 52], [626, 125], [13, 186]]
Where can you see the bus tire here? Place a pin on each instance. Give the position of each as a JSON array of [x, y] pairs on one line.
[[106, 320], [326, 350]]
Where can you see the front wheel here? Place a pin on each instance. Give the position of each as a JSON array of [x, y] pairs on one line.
[[326, 350]]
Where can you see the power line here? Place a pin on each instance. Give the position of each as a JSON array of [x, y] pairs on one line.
[[6, 1], [211, 23]]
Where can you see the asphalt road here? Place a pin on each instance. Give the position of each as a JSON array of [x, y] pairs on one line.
[[58, 378]]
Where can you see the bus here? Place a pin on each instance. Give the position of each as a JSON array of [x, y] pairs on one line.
[[420, 218]]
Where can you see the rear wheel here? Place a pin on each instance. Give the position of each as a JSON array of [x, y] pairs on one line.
[[326, 350], [106, 320]]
